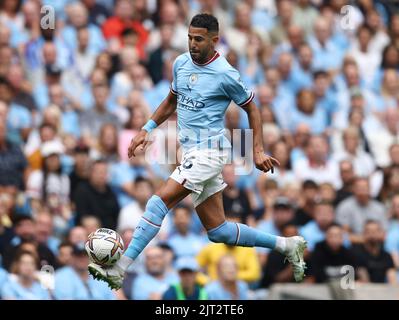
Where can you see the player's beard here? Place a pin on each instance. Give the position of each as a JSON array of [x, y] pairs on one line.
[[199, 56]]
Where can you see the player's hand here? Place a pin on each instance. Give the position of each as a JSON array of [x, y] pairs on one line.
[[140, 140], [264, 162]]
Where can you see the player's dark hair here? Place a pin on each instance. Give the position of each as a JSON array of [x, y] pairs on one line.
[[206, 21]]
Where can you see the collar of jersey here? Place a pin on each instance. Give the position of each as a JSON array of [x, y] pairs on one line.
[[215, 56]]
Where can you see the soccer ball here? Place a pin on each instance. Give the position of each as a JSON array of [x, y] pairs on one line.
[[104, 247]]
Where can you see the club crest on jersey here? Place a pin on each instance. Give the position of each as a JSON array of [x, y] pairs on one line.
[[193, 78]]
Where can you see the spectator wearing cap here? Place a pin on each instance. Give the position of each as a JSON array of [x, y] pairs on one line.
[[151, 284], [74, 283], [50, 182], [187, 288], [277, 269], [283, 212], [12, 161], [37, 137], [23, 284], [183, 241], [353, 212], [96, 197], [228, 286], [378, 264], [49, 73], [245, 257]]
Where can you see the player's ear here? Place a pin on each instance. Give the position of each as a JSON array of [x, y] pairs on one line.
[[215, 38]]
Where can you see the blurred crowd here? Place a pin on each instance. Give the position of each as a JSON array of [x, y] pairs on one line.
[[72, 97]]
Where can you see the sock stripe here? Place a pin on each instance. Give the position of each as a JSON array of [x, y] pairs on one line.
[[238, 234], [151, 223]]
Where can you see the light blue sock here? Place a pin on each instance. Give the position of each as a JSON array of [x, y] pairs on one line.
[[241, 235], [148, 227]]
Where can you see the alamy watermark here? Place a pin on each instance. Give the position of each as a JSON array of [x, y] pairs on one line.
[[47, 20], [347, 21]]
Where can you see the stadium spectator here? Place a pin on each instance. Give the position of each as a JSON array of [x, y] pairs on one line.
[[22, 284], [73, 282], [187, 288], [371, 256], [353, 212], [109, 64], [316, 165], [50, 182], [314, 231], [330, 255], [95, 197], [283, 212], [277, 270], [155, 281], [92, 120], [80, 171], [347, 174], [235, 200], [184, 242], [64, 257], [246, 260], [228, 286], [24, 230], [44, 230]]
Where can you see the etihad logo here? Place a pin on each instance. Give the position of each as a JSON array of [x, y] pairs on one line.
[[189, 103]]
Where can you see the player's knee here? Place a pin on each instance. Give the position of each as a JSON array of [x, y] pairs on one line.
[[225, 233], [155, 209]]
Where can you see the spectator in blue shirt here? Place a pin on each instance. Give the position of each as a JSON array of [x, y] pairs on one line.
[[306, 112], [23, 283], [74, 283], [3, 278], [314, 231], [227, 287], [183, 241], [187, 288], [155, 281]]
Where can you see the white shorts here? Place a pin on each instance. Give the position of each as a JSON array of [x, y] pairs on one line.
[[201, 172]]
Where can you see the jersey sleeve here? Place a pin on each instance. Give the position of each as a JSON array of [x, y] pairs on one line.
[[235, 89]]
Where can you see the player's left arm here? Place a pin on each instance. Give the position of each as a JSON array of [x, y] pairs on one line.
[[262, 161]]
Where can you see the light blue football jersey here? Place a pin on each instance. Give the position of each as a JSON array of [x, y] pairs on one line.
[[203, 94]]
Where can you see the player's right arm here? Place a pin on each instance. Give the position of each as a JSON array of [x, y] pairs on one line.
[[163, 112]]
